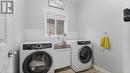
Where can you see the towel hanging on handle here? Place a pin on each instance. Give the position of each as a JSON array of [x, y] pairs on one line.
[[107, 43], [104, 42]]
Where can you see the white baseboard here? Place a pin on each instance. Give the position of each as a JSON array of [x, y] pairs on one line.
[[101, 69]]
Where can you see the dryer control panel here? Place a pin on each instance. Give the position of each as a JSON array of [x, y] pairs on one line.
[[83, 42], [37, 46]]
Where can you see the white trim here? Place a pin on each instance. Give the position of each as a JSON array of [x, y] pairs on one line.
[[3, 44], [55, 12], [101, 69]]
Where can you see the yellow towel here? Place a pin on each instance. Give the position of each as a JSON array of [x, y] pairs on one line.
[[107, 43], [104, 42]]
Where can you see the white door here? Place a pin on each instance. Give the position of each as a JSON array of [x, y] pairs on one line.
[[6, 44], [7, 34], [12, 36]]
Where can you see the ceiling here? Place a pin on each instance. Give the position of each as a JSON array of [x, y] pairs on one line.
[[75, 1]]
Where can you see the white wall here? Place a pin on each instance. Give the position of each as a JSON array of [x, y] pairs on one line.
[[34, 22], [126, 44], [97, 17], [127, 48]]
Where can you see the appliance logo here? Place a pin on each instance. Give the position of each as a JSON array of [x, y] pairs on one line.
[[7, 7]]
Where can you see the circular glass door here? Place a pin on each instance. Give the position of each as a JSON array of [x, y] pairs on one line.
[[85, 54], [37, 62]]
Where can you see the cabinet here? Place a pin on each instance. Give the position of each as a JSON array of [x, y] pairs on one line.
[[55, 23], [62, 58]]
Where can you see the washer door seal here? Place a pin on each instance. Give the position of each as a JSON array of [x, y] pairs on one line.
[[85, 54], [37, 62]]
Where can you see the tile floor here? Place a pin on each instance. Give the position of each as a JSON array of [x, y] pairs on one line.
[[71, 71]]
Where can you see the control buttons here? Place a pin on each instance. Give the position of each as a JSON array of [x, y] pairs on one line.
[[83, 42], [37, 46]]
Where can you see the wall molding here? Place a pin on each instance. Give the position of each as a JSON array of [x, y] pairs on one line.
[[101, 69]]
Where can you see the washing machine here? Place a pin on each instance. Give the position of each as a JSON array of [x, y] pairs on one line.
[[81, 55], [36, 57]]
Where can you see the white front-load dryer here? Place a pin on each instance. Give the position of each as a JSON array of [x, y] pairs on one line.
[[36, 57], [81, 55]]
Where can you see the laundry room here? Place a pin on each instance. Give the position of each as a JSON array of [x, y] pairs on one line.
[[64, 36]]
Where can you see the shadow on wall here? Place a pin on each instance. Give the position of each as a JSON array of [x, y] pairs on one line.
[[97, 48], [16, 62]]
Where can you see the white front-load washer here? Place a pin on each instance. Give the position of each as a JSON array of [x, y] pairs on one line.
[[36, 57], [81, 55]]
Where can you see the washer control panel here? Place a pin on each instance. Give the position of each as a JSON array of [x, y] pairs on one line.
[[83, 42], [37, 46]]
